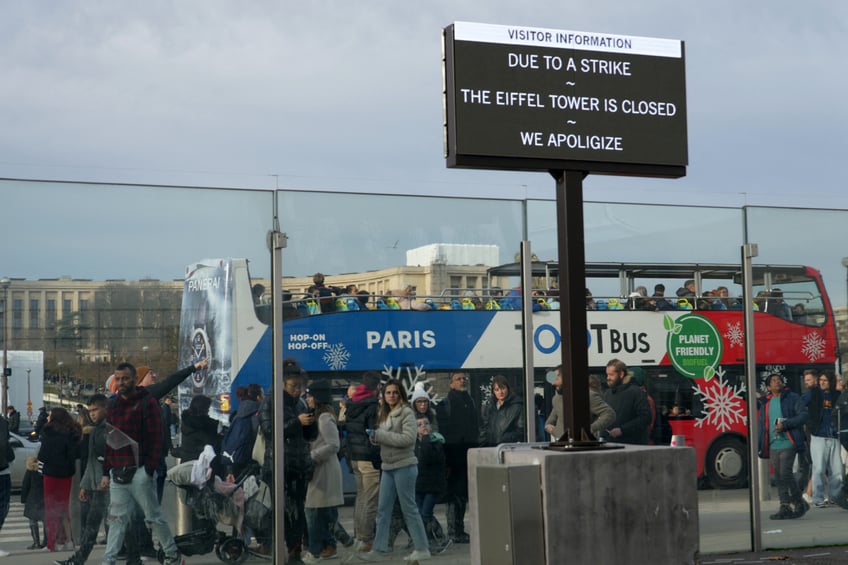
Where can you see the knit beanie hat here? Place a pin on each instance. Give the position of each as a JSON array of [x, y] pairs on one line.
[[320, 390], [419, 393], [141, 372]]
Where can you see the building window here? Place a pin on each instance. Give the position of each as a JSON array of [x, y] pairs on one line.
[[51, 312], [455, 281], [66, 307], [17, 317], [33, 313]]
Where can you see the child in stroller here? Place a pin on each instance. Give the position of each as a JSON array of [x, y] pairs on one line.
[[244, 503]]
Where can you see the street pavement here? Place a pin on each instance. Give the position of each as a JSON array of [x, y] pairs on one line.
[[721, 514]]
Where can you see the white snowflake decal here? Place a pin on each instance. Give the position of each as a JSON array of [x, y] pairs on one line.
[[813, 346], [409, 376], [723, 404], [735, 334], [337, 357]]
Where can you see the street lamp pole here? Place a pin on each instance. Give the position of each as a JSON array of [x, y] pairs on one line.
[[29, 398], [4, 380], [59, 364], [844, 264]]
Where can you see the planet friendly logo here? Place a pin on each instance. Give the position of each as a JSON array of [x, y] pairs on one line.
[[694, 345]]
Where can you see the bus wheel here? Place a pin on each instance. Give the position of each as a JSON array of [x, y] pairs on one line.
[[727, 463]]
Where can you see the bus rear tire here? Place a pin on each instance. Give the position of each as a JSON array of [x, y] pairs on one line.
[[727, 463]]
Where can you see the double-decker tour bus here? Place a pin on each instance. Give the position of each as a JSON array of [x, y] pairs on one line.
[[687, 345]]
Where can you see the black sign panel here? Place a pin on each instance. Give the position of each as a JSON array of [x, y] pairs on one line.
[[540, 99]]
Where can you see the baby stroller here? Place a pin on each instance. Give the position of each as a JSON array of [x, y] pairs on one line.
[[245, 503]]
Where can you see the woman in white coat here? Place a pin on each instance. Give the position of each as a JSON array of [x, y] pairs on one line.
[[396, 435], [324, 493]]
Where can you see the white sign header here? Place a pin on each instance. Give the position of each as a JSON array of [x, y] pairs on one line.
[[566, 39]]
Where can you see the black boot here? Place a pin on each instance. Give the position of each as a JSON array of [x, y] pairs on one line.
[[450, 515], [439, 542], [784, 513], [456, 526], [396, 525], [36, 539], [801, 507]]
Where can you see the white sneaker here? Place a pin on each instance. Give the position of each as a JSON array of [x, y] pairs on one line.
[[807, 498], [309, 558], [418, 555], [4, 553]]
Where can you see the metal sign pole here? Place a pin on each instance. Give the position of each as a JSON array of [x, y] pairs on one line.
[[527, 314], [572, 289], [278, 241], [749, 251]]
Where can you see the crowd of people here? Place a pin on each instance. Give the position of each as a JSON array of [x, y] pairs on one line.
[[407, 453], [321, 298], [119, 444], [805, 431]]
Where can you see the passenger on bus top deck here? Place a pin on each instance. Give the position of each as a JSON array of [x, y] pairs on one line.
[[590, 302], [639, 300], [776, 306], [761, 300], [258, 291], [724, 295], [659, 298], [708, 301], [799, 314], [685, 299], [406, 300]]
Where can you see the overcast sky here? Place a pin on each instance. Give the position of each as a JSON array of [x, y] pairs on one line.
[[347, 95]]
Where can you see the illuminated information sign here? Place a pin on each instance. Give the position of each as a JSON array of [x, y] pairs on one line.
[[546, 99]]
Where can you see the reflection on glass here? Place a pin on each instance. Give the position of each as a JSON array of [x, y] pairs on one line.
[[97, 278]]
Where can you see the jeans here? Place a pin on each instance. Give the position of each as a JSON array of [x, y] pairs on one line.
[[426, 501], [827, 460], [804, 469], [367, 495], [787, 487], [142, 490], [399, 484], [320, 523], [98, 503]]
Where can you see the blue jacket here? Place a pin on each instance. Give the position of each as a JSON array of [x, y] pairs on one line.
[[795, 416]]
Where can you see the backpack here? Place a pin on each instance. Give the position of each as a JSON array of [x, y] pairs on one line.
[[237, 445]]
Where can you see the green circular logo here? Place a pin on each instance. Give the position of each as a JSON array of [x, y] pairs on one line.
[[694, 345]]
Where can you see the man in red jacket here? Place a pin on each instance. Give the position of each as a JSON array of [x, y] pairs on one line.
[[133, 449]]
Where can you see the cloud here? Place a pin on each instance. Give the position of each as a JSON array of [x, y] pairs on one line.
[[348, 95]]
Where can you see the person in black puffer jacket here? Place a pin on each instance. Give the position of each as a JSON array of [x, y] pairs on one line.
[[503, 416], [198, 429], [298, 430]]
